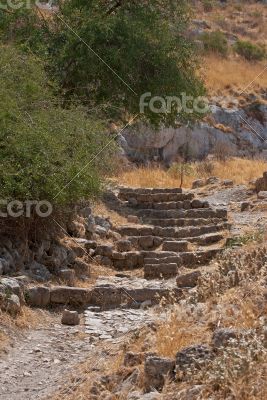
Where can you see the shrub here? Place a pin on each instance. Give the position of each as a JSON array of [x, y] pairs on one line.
[[215, 42], [250, 51], [43, 146]]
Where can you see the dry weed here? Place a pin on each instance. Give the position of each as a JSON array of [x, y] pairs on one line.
[[241, 171]]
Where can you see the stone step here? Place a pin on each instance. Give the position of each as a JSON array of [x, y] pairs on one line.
[[111, 296], [177, 246], [153, 242], [160, 271], [137, 198], [177, 214], [170, 205], [104, 296], [182, 222], [123, 190], [185, 259], [125, 193], [173, 232], [137, 259]]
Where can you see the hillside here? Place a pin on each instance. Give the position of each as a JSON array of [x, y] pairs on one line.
[[133, 199]]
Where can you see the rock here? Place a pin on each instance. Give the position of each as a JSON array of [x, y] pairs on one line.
[[222, 336], [57, 256], [102, 232], [146, 242], [156, 370], [192, 357], [104, 250], [12, 286], [90, 226], [70, 318], [39, 272], [81, 266], [38, 296], [132, 359], [12, 304], [76, 229], [228, 183], [133, 219], [85, 212], [147, 396], [106, 261], [188, 280], [262, 195], [1, 268], [124, 245], [90, 244], [245, 205], [113, 235], [7, 260], [198, 183], [192, 393], [261, 183], [67, 276], [212, 180], [70, 295], [103, 222], [196, 203]]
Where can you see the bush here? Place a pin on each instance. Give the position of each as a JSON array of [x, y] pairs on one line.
[[250, 51], [215, 42], [43, 146]]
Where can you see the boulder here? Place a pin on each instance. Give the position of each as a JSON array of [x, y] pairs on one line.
[[103, 222], [124, 245], [39, 272], [261, 183], [244, 206], [198, 183], [156, 370], [12, 304], [212, 180], [100, 231], [188, 280], [12, 286], [104, 250], [70, 318], [192, 357], [38, 296]]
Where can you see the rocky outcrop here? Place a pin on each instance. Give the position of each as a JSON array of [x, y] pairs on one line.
[[239, 131]]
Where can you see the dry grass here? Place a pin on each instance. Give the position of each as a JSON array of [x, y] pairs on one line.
[[27, 319], [222, 74], [179, 333], [240, 170], [101, 210]]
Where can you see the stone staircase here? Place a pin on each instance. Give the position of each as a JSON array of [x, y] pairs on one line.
[[169, 246], [174, 230]]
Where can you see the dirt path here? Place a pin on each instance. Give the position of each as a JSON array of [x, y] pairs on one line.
[[39, 362]]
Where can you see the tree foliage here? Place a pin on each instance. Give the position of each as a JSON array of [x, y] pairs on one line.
[[43, 147]]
